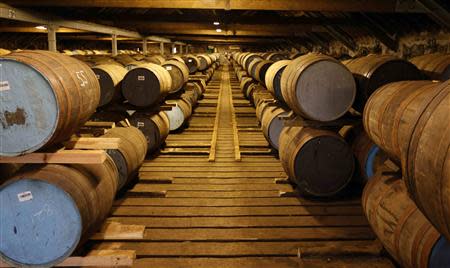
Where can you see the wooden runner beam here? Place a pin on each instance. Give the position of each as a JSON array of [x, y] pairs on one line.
[[60, 157], [212, 150]]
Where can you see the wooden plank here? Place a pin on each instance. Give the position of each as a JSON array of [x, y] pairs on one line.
[[236, 211], [93, 143], [259, 234], [245, 249], [222, 194], [211, 187], [269, 262], [116, 230], [232, 202], [214, 169], [244, 222], [202, 164], [221, 181], [100, 124], [211, 174], [212, 150], [60, 157]]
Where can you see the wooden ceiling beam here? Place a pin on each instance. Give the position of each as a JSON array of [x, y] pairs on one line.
[[289, 5], [184, 28]]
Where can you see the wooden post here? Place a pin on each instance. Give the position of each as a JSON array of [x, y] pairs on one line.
[[114, 45], [181, 49], [144, 46], [161, 48], [51, 34], [173, 49]]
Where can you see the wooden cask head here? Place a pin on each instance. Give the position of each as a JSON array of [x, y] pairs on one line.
[[318, 87], [319, 162], [46, 97]]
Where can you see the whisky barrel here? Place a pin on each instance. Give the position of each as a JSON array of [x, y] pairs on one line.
[[261, 70], [252, 67], [154, 127], [66, 93], [368, 155], [319, 162], [109, 77], [192, 62], [260, 108], [245, 83], [156, 59], [272, 125], [132, 149], [257, 93], [318, 87], [241, 75], [177, 58], [273, 78], [427, 162], [408, 120], [48, 210], [400, 226], [205, 62], [179, 114], [434, 66], [249, 59], [179, 73], [374, 71], [146, 85], [276, 56], [124, 59]]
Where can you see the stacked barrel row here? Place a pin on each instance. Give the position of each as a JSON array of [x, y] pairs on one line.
[[315, 87], [150, 82], [48, 210], [409, 121]]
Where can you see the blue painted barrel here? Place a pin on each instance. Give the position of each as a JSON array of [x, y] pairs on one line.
[[45, 96], [47, 210]]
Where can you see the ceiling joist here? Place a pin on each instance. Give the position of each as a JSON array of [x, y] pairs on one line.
[[288, 5]]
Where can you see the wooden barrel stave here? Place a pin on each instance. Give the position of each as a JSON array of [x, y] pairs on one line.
[[434, 66], [401, 227], [374, 71], [109, 77], [133, 148]]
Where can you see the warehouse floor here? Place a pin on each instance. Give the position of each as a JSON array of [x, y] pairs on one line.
[[206, 204]]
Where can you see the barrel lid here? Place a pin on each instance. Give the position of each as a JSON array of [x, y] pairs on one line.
[[40, 223], [28, 111], [325, 90], [176, 117], [141, 87], [324, 165]]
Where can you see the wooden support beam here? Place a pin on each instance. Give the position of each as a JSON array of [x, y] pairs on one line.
[[144, 46], [288, 5], [235, 29], [51, 36], [378, 31], [114, 45], [60, 157], [161, 48], [436, 12]]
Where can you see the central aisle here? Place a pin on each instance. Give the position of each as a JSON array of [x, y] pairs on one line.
[[228, 213]]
